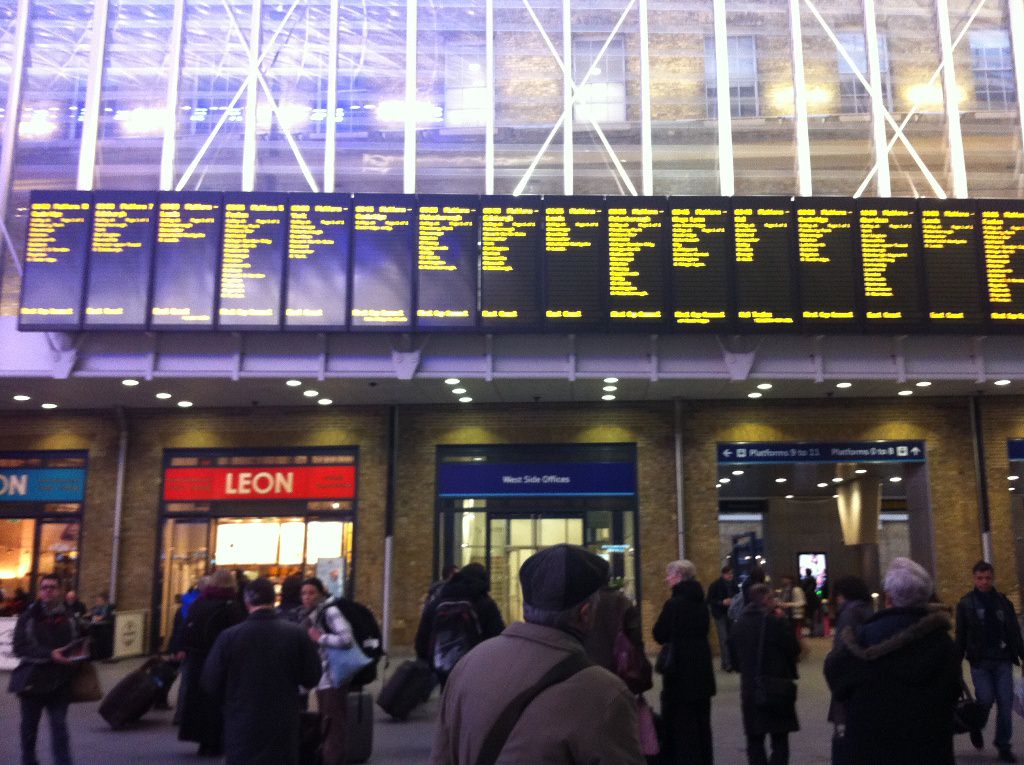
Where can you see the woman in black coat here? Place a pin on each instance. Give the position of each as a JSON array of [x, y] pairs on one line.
[[689, 679], [775, 657]]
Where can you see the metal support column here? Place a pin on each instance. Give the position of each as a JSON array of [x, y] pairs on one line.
[[409, 154], [252, 97], [122, 467], [1017, 47], [91, 113], [951, 98], [490, 118], [726, 170], [389, 525], [568, 99], [10, 135], [803, 139], [680, 506], [646, 138], [984, 518], [169, 148], [883, 183], [331, 139]]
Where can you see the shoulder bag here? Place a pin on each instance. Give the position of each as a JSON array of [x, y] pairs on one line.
[[774, 695]]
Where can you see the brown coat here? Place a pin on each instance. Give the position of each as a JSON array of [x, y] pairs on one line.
[[589, 719]]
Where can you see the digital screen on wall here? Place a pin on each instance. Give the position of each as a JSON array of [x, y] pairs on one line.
[[165, 261], [187, 255], [447, 236], [53, 280], [252, 261]]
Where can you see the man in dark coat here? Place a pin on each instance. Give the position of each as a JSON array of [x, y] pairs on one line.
[[988, 635], [764, 645], [689, 679], [720, 595], [255, 667], [899, 676]]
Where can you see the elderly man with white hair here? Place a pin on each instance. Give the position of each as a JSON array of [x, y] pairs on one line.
[[899, 677]]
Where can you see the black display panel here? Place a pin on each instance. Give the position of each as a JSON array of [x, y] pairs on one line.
[[316, 284], [701, 251], [827, 262], [1002, 236], [120, 260], [764, 272], [383, 232], [890, 263], [575, 260], [949, 249], [252, 261], [447, 236], [638, 241], [511, 238], [186, 259], [53, 281]]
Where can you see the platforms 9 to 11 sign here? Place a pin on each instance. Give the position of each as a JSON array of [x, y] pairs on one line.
[[176, 261]]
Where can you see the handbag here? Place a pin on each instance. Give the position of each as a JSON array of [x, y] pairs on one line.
[[85, 683], [968, 714], [646, 730], [665, 663], [631, 664], [774, 695], [344, 663]]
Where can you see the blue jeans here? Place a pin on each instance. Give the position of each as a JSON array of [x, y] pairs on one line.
[[56, 706], [993, 681]]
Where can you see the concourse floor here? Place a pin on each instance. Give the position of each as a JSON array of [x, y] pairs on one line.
[[154, 739]]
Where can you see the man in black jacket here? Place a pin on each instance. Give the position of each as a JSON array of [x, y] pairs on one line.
[[720, 595], [256, 668], [988, 635]]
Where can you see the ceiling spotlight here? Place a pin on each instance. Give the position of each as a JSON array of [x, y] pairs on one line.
[[754, 394], [906, 393], [835, 496], [163, 396], [724, 480], [293, 383], [737, 472], [1013, 488], [837, 479], [310, 393], [822, 485], [923, 384], [844, 385], [764, 386], [1002, 382], [465, 400], [325, 401], [1012, 477], [22, 397], [610, 388], [129, 383], [860, 471], [452, 381], [458, 391], [895, 479], [780, 480], [184, 404], [611, 380], [607, 397], [718, 486], [789, 496], [335, 505], [48, 406]]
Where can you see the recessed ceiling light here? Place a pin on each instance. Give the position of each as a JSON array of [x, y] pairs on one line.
[[22, 397], [48, 406], [163, 396], [895, 479], [764, 386], [789, 496], [923, 384], [837, 479], [458, 391], [718, 486], [822, 485], [335, 505], [860, 471], [325, 401], [754, 394], [465, 400], [610, 388], [452, 381], [310, 393], [607, 397], [906, 393], [129, 383], [780, 480], [1012, 488], [184, 404], [293, 383], [611, 380], [1002, 382], [844, 385], [835, 496], [1012, 477], [737, 472], [724, 480]]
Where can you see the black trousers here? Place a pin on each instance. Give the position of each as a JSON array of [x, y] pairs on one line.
[[756, 754], [688, 732]]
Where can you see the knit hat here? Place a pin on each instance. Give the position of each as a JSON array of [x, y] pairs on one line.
[[560, 577]]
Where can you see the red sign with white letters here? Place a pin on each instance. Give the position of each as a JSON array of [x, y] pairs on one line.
[[260, 482]]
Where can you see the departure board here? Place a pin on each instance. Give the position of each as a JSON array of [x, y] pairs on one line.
[[827, 263], [446, 261], [188, 234], [1002, 235], [316, 287], [701, 250], [576, 257], [511, 231], [890, 262], [53, 280], [949, 251], [383, 233], [637, 245], [120, 259], [252, 261], [764, 276]]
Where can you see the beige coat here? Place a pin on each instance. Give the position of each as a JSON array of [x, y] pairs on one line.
[[589, 719]]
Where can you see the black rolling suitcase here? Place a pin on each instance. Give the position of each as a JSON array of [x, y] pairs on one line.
[[406, 689], [129, 699], [359, 745]]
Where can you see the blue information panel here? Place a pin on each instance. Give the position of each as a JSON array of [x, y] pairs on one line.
[[55, 252], [447, 233], [120, 260], [559, 479], [42, 485], [319, 229], [185, 264], [382, 245], [1015, 447], [252, 261], [776, 452]]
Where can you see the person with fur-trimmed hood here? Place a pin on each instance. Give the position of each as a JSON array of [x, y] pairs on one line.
[[899, 677]]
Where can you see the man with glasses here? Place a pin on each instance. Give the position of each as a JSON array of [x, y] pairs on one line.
[[43, 678]]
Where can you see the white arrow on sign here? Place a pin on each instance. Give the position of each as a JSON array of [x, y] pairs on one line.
[[915, 451], [726, 452]]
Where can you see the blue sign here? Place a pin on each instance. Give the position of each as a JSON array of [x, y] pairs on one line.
[[42, 485], [547, 479], [774, 452], [1015, 446]]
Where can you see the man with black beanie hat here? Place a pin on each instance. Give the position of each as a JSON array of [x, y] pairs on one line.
[[530, 694]]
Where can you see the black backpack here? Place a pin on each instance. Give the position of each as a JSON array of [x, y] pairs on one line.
[[366, 632], [455, 631]]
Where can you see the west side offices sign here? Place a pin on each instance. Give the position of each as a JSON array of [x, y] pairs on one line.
[[769, 452], [285, 482], [576, 479]]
